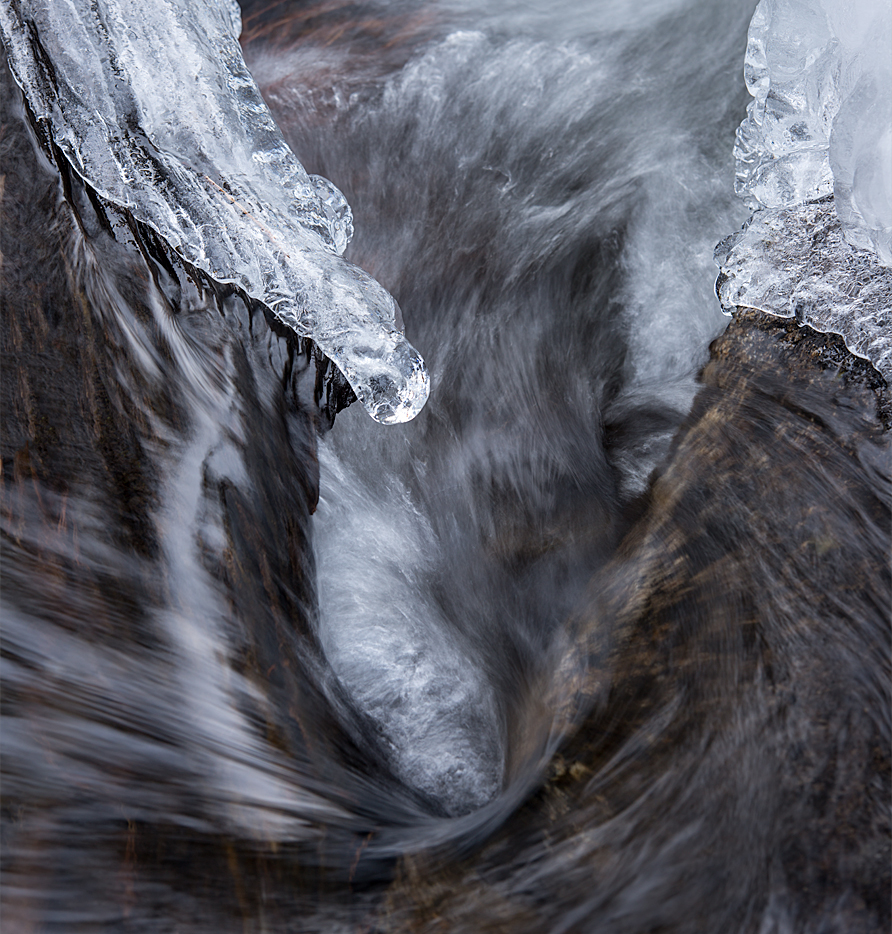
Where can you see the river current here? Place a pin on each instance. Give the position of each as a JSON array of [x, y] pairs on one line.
[[573, 650]]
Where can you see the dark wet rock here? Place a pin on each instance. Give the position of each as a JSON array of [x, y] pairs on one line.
[[126, 378], [731, 767], [723, 705]]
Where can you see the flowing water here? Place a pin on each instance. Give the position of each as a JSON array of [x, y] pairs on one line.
[[263, 672]]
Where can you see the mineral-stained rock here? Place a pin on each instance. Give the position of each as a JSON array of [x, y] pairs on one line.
[[722, 709], [731, 767]]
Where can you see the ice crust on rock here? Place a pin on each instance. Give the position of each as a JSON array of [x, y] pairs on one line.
[[153, 106], [795, 263], [814, 160]]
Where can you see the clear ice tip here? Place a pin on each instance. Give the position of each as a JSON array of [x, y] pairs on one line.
[[392, 399]]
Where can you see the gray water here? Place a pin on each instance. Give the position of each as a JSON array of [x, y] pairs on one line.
[[230, 707], [541, 187]]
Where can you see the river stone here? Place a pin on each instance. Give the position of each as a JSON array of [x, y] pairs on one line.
[[730, 747]]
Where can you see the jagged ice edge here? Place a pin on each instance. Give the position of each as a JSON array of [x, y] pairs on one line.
[[171, 128]]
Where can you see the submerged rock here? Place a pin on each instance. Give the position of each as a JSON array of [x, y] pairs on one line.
[[728, 765], [709, 750]]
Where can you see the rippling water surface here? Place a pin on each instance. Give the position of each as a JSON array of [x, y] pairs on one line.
[[478, 672]]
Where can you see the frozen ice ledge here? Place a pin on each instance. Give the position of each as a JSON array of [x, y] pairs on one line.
[[795, 263], [814, 157], [153, 106]]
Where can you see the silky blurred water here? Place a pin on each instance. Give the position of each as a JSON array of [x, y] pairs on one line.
[[251, 664], [541, 188]]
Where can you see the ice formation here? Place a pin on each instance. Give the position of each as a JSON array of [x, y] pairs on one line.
[[820, 123], [814, 159], [153, 106], [795, 263]]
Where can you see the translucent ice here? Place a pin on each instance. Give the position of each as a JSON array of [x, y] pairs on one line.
[[153, 105], [820, 123], [814, 159], [794, 263]]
